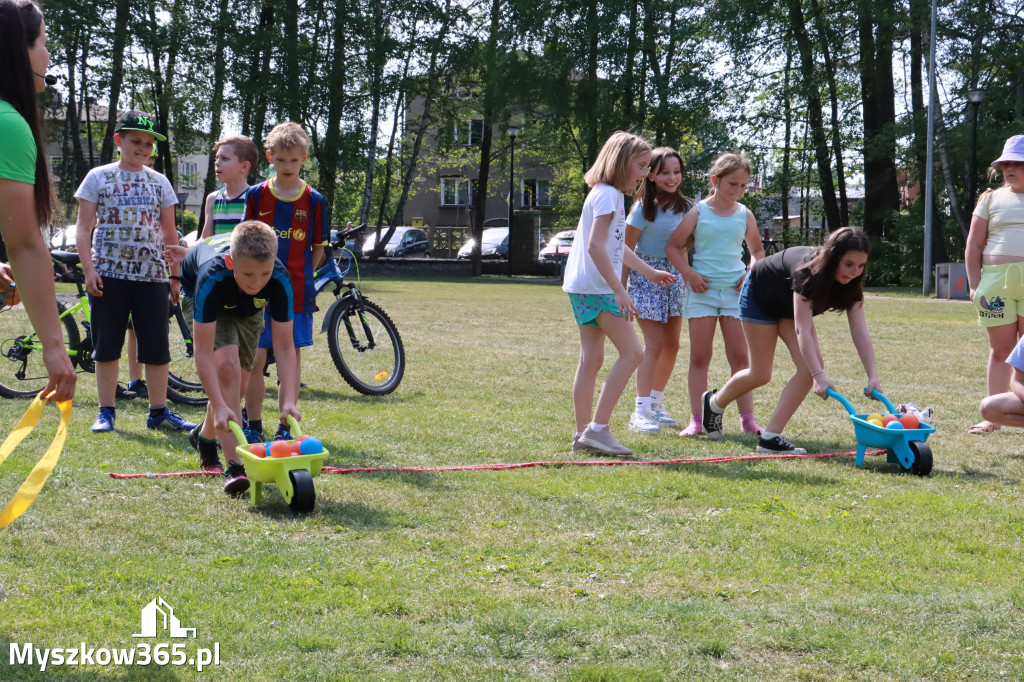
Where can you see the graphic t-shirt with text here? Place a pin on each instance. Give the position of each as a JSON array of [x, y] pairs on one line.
[[127, 243]]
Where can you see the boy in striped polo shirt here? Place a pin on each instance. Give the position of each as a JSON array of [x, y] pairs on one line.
[[234, 159]]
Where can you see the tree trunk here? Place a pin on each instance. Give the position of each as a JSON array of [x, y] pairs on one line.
[[399, 115], [881, 191], [425, 121], [121, 17], [787, 110], [336, 106], [589, 86], [74, 118], [290, 47], [375, 57], [217, 103], [814, 115], [628, 82], [830, 78], [489, 78]]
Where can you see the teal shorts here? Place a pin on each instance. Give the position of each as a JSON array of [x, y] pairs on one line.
[[586, 307]]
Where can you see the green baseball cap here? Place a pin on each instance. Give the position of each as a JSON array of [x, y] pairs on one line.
[[140, 121]]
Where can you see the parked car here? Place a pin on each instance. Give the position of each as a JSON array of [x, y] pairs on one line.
[[406, 242], [493, 245], [559, 246], [65, 236]]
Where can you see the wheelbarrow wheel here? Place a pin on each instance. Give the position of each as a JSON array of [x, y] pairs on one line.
[[303, 495], [922, 465]]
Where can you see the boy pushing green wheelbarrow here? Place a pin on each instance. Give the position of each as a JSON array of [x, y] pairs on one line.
[[226, 282]]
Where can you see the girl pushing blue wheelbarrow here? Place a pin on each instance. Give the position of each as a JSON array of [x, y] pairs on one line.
[[902, 437]]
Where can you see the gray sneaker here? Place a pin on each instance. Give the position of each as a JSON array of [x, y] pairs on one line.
[[711, 421], [576, 446], [604, 441], [661, 414], [643, 421]]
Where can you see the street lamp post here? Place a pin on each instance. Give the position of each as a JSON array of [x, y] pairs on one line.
[[975, 96], [513, 132]]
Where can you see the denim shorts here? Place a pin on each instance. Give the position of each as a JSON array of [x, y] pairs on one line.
[[653, 301], [712, 303], [750, 311], [586, 307]]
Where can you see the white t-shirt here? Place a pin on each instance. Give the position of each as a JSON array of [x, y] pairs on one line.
[[1004, 210], [127, 243], [581, 275]]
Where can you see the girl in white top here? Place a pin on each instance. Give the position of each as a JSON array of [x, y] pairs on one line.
[[593, 280], [658, 210], [995, 267], [718, 228]]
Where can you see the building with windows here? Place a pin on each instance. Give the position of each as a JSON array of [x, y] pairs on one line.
[[445, 191]]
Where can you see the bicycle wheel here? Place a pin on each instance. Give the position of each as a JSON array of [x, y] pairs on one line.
[[183, 385], [366, 347], [22, 372]]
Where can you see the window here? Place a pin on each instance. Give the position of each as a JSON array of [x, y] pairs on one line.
[[469, 132], [189, 174], [456, 191], [535, 192]]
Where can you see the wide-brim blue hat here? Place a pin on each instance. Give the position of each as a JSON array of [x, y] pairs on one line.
[[1013, 150]]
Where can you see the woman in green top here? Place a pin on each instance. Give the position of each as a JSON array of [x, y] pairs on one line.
[[26, 198]]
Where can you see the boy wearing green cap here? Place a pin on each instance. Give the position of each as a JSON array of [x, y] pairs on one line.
[[126, 275]]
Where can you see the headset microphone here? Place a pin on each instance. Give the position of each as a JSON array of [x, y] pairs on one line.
[[48, 79]]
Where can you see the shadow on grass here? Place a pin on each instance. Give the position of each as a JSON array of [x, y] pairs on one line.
[[346, 394], [31, 671], [353, 515]]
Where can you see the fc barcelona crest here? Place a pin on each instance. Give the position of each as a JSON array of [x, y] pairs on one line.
[[301, 215]]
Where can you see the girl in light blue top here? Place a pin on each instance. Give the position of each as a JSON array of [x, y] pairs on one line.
[[718, 228], [656, 214]]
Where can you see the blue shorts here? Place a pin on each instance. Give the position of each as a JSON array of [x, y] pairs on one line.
[[750, 311], [653, 301], [712, 303], [586, 307], [302, 330]]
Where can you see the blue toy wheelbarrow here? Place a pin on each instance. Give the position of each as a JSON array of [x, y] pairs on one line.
[[906, 447]]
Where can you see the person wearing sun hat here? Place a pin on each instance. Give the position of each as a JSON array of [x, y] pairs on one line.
[[995, 274]]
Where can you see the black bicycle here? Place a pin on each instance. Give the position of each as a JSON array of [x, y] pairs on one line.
[[23, 374], [364, 343]]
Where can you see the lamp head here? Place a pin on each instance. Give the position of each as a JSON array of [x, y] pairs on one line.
[[976, 95], [513, 130]]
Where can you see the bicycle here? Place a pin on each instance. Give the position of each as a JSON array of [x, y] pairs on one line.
[[23, 375], [365, 345]]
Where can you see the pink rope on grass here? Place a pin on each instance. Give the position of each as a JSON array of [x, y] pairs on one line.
[[528, 465]]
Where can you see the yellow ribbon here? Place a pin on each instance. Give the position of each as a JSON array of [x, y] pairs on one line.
[[30, 489]]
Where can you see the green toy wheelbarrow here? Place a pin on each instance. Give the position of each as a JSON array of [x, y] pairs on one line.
[[292, 473], [906, 447]]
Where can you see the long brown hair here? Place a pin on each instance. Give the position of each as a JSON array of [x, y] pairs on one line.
[[650, 197], [816, 279], [21, 23]]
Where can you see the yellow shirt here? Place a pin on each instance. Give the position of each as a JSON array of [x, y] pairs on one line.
[[1004, 210]]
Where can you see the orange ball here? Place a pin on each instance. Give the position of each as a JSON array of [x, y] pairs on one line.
[[889, 418], [910, 421], [258, 449], [295, 447], [280, 448]]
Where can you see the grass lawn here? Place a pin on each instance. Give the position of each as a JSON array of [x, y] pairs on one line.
[[800, 569]]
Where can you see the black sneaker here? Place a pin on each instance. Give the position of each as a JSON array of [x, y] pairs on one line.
[[139, 387], [235, 482], [778, 446], [193, 437], [282, 433], [710, 420], [122, 393]]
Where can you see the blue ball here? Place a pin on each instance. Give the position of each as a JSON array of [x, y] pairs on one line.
[[895, 425], [310, 446]]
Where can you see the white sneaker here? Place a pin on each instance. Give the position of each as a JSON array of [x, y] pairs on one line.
[[643, 421], [604, 441], [662, 416]]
